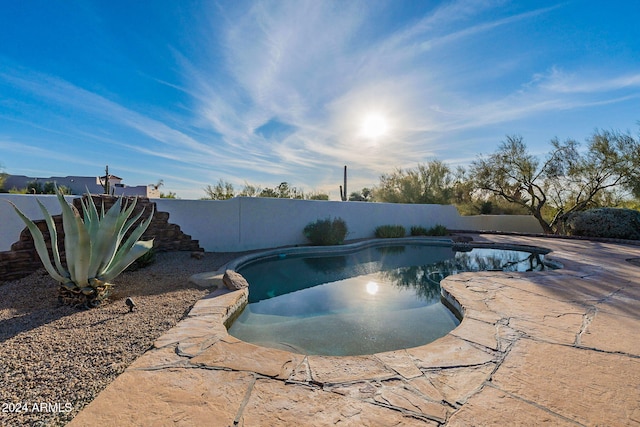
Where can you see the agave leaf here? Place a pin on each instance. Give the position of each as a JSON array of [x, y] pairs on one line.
[[135, 234], [131, 221], [77, 243], [128, 244], [114, 241], [91, 218], [103, 243], [53, 234], [139, 231], [70, 235], [124, 261], [83, 253], [123, 250], [93, 211], [41, 247]]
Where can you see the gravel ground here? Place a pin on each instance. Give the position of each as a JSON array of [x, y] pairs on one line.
[[54, 359]]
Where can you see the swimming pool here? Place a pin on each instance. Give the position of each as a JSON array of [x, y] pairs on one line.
[[367, 300]]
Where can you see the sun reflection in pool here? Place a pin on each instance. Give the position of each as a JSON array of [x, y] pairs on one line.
[[372, 288]]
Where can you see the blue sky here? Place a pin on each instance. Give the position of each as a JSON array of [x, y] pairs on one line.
[[269, 91]]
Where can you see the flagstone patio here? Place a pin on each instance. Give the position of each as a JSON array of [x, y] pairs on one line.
[[558, 347]]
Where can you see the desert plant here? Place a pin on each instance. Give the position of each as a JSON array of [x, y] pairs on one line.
[[143, 261], [95, 248], [416, 230], [390, 231], [343, 191], [324, 232], [486, 207], [436, 230]]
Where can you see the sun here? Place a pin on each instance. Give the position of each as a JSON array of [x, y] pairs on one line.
[[373, 125]]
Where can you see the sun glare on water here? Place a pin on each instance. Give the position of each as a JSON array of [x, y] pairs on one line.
[[373, 125], [372, 288]]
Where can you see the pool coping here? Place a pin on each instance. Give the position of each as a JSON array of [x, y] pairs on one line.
[[494, 367]]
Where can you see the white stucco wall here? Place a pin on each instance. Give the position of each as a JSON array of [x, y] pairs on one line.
[[247, 223], [10, 223], [513, 223], [211, 221]]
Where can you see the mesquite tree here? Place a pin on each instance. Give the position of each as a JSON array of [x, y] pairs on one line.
[[566, 181]]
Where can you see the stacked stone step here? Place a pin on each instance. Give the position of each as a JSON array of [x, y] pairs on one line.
[[22, 259]]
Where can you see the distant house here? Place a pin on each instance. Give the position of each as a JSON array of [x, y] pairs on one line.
[[82, 184]]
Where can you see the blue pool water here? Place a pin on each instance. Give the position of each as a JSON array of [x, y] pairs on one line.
[[361, 302]]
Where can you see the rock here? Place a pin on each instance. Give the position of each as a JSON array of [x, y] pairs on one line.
[[208, 279], [234, 281], [605, 222], [197, 255]]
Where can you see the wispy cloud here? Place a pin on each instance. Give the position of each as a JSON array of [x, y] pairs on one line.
[[64, 93], [559, 81], [9, 145], [441, 77], [163, 141], [483, 27], [303, 64]]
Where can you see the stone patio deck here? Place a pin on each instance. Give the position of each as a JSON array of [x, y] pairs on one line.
[[557, 348]]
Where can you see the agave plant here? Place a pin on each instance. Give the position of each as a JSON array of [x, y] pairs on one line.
[[95, 248]]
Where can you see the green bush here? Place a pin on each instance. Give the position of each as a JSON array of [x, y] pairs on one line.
[[144, 261], [416, 230], [325, 232], [390, 231], [437, 230]]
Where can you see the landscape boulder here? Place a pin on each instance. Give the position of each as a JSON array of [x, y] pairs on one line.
[[234, 281], [611, 223]]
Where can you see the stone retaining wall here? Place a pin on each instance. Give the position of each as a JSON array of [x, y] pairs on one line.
[[23, 259]]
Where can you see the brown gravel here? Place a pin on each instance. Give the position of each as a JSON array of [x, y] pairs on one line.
[[54, 360]]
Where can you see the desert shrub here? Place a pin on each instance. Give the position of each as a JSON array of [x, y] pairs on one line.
[[437, 230], [324, 232], [486, 208], [417, 230], [144, 261], [390, 231], [605, 222]]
